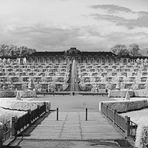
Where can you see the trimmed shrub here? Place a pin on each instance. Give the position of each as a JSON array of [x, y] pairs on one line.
[[20, 105], [142, 137], [28, 94], [125, 106], [6, 93]]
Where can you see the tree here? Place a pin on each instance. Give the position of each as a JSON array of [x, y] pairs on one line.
[[12, 48], [3, 50], [134, 50], [120, 50], [23, 50], [15, 51]]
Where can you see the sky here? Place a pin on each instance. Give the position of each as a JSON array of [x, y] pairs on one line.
[[57, 25]]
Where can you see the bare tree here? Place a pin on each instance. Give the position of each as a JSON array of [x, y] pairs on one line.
[[120, 50], [12, 50], [134, 49]]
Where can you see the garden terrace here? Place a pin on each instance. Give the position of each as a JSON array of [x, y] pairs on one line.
[[46, 77], [94, 76]]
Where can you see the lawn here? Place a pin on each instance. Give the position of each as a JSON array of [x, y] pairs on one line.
[[140, 117], [74, 103]]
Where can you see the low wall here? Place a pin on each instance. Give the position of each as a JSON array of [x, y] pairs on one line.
[[101, 92], [141, 93], [132, 93], [120, 93], [54, 93]]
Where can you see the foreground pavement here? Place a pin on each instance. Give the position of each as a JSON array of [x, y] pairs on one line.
[[69, 144], [72, 126], [71, 131]]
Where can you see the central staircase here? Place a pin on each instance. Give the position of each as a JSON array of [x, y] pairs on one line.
[[74, 79]]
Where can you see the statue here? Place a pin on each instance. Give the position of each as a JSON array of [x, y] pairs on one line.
[[18, 96], [24, 61], [118, 85], [109, 86], [146, 86], [31, 85], [122, 85], [30, 92], [135, 86], [11, 86], [127, 97]]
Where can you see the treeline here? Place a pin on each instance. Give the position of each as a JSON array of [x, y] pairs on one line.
[[123, 50], [15, 51]]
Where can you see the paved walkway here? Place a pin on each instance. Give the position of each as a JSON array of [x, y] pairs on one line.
[[72, 126]]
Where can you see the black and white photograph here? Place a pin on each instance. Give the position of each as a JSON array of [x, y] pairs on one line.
[[73, 73]]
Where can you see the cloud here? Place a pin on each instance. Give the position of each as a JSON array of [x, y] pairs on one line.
[[129, 23], [111, 8], [101, 37], [122, 16], [60, 24], [42, 37], [116, 10]]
